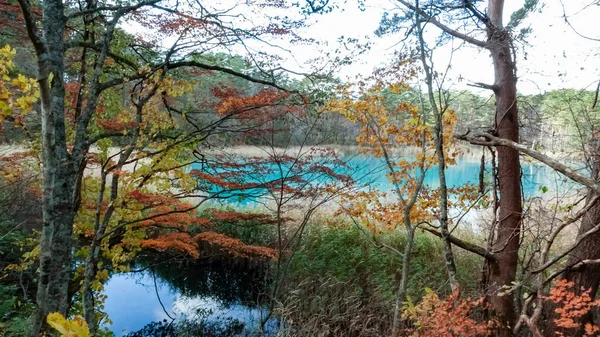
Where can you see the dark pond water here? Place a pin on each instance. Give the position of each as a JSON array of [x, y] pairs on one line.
[[185, 297]]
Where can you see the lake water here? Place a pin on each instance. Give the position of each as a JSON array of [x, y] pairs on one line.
[[220, 299], [214, 298], [466, 171], [370, 173]]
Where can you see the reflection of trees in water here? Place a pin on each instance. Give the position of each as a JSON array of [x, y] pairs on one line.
[[223, 278], [189, 328], [229, 280]]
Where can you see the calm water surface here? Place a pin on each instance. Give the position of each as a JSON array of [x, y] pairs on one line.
[[219, 298]]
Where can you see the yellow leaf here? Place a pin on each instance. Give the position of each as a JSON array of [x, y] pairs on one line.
[[58, 322], [76, 327]]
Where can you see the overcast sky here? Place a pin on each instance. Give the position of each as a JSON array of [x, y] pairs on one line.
[[553, 56], [556, 56]]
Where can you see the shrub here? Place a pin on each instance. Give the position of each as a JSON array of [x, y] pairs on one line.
[[450, 317]]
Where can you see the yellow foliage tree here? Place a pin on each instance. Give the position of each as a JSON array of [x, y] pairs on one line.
[[402, 135], [17, 94]]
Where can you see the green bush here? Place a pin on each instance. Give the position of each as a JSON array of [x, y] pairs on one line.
[[14, 310], [16, 287]]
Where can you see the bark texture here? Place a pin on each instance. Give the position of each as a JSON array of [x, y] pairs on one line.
[[506, 246], [58, 193]]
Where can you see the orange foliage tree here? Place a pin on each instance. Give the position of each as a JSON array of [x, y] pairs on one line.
[[402, 136]]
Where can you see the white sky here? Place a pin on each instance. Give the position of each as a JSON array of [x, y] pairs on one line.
[[554, 48], [555, 57]]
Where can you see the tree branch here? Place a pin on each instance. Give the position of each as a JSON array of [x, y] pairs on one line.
[[225, 70], [98, 47], [443, 27], [596, 96], [31, 26], [555, 234], [487, 139], [566, 252], [480, 85], [464, 245], [181, 64]]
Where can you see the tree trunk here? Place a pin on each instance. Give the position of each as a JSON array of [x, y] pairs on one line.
[[506, 246], [586, 276], [438, 138], [404, 274], [57, 199]]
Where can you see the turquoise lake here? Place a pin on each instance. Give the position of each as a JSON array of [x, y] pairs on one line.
[[370, 173]]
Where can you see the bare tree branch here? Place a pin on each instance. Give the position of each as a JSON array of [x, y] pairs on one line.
[[483, 86], [464, 245], [487, 139], [443, 27]]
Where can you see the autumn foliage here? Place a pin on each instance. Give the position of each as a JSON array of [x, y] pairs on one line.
[[18, 93], [75, 327], [236, 247], [387, 129], [449, 317], [570, 307], [182, 218]]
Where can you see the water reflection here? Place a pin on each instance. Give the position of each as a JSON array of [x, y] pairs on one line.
[[188, 298]]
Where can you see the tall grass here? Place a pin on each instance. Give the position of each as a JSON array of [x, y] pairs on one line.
[[341, 284]]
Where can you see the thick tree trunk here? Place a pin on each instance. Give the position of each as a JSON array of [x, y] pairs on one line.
[[506, 247], [584, 276], [508, 228], [58, 208]]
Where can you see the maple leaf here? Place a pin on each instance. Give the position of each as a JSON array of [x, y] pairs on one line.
[[571, 307], [181, 242]]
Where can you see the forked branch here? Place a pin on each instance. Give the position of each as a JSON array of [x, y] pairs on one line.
[[442, 26], [473, 248]]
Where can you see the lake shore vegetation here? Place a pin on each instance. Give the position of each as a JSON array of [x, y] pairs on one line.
[[171, 142]]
